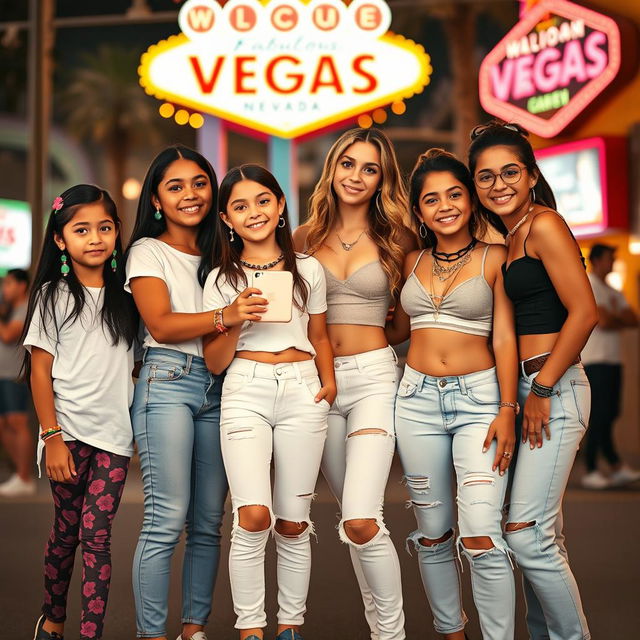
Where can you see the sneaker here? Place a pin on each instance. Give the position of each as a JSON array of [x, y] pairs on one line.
[[288, 634], [41, 634], [198, 635], [595, 480], [16, 487], [624, 475]]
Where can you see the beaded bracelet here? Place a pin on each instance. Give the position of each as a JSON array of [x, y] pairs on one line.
[[49, 433], [218, 322], [541, 390]]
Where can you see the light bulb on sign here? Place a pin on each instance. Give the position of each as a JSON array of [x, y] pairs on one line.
[[131, 188]]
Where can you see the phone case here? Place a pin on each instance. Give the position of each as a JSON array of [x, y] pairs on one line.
[[277, 288]]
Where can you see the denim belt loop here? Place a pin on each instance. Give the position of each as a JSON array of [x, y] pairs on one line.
[[463, 385], [296, 368], [187, 366], [252, 370]]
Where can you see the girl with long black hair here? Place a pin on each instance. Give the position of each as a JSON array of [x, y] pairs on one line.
[[275, 398], [554, 312], [176, 407], [79, 335]]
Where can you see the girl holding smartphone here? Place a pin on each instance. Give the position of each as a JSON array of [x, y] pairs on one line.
[[275, 398], [555, 312], [356, 231]]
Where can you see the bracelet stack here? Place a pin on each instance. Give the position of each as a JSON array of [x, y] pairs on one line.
[[541, 390], [218, 322], [512, 405], [50, 433]]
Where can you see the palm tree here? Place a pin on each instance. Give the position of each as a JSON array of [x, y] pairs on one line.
[[103, 102]]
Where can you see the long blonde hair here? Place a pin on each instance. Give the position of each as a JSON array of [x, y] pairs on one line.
[[387, 210]]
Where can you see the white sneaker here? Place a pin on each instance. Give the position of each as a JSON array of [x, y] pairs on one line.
[[16, 487], [624, 475], [198, 635], [595, 480]]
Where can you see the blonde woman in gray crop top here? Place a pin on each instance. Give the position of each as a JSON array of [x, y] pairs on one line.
[[356, 231], [456, 402]]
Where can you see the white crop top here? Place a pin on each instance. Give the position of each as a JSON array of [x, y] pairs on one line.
[[466, 309], [273, 336]]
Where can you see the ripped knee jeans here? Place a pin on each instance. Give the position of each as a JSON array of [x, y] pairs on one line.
[[268, 413], [441, 425]]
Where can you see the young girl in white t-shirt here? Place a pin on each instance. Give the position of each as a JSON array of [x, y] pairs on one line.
[[275, 398], [80, 329], [176, 407]]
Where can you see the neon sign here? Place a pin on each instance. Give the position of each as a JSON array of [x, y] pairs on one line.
[[551, 66], [286, 67]]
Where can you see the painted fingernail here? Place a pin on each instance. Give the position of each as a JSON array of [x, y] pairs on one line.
[[484, 449], [502, 473]]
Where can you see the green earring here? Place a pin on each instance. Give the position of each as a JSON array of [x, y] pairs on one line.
[[64, 267], [114, 262], [157, 215]]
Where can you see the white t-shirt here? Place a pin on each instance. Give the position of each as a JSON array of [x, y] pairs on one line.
[[11, 354], [274, 336], [150, 257], [603, 345], [92, 383]]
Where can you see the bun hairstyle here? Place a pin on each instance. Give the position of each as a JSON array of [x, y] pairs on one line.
[[499, 133], [439, 160]]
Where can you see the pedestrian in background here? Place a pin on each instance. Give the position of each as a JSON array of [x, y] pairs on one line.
[[14, 395], [603, 366]]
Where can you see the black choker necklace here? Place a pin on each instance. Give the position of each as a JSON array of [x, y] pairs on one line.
[[454, 255]]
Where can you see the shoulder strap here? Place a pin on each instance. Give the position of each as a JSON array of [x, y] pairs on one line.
[[484, 258], [417, 261]]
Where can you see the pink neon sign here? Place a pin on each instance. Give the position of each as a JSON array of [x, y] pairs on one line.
[[550, 66]]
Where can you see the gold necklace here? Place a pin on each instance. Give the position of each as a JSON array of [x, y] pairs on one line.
[[347, 246], [433, 296], [520, 222]]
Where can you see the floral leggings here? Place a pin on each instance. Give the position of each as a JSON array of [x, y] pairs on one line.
[[84, 511]]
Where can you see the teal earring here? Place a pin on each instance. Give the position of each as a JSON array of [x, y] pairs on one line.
[[64, 267], [114, 262], [157, 215]]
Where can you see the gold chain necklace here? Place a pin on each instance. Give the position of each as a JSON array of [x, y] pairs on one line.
[[520, 222], [347, 246]]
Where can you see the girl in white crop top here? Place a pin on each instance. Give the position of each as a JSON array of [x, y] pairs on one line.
[[356, 231], [274, 403], [457, 399]]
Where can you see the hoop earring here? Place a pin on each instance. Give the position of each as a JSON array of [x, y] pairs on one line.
[[114, 262], [282, 223], [231, 236], [64, 267], [379, 213], [533, 195], [422, 230], [158, 214]]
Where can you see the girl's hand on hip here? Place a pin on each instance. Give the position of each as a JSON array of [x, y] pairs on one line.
[[536, 418], [328, 393], [59, 461], [503, 430], [248, 306]]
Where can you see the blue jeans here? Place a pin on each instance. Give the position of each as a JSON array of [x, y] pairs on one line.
[[176, 425], [441, 423], [554, 609]]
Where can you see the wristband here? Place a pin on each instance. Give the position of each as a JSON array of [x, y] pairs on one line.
[[513, 405], [49, 433], [541, 390], [218, 321]]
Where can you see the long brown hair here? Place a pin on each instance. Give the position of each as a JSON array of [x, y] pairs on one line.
[[226, 252], [387, 210]]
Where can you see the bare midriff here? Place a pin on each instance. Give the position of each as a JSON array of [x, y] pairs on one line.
[[349, 339], [276, 357], [440, 352], [533, 345]]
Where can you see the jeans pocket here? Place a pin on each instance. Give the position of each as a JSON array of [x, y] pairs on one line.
[[582, 396], [382, 372], [165, 373], [485, 394], [233, 382], [406, 389], [313, 385]]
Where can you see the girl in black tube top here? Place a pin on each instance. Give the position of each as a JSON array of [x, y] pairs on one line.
[[555, 312]]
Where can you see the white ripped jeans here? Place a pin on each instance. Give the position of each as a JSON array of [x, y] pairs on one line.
[[356, 466], [269, 412]]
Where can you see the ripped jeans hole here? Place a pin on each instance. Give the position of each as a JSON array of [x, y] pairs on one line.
[[512, 527], [480, 478], [369, 432], [308, 496], [422, 505], [417, 483], [238, 433]]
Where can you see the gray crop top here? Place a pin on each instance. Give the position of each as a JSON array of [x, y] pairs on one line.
[[466, 309], [363, 298]]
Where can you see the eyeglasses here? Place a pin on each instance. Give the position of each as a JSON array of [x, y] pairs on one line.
[[509, 175], [481, 128]]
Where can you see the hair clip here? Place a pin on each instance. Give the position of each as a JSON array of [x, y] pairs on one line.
[[57, 204], [512, 126]]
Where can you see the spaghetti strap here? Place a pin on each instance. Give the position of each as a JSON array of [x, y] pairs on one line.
[[417, 261], [484, 259]]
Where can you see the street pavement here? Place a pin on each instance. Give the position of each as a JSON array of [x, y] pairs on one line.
[[602, 530]]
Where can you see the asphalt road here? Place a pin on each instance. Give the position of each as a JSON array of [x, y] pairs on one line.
[[602, 530]]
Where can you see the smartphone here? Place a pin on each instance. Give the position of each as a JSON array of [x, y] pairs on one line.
[[277, 288]]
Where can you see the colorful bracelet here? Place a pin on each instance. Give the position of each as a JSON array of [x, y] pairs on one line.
[[218, 321], [49, 433], [512, 405]]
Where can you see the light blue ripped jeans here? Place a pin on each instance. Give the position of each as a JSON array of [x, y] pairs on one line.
[[554, 609], [441, 423]]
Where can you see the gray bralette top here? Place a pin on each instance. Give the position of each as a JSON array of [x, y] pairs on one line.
[[468, 308], [363, 298]]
